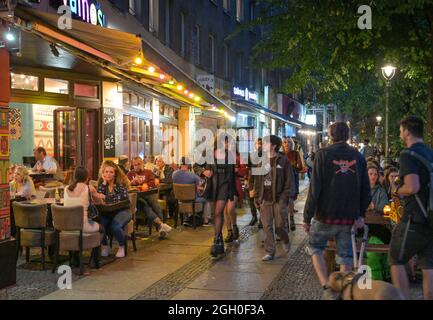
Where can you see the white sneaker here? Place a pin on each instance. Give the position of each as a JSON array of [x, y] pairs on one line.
[[268, 257], [166, 228], [105, 251], [120, 252], [162, 232]]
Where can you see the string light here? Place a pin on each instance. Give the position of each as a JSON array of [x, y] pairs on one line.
[[179, 87], [197, 99], [171, 82], [151, 69], [138, 60], [162, 76], [186, 91]]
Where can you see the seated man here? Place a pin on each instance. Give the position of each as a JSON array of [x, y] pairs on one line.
[[45, 163], [185, 176], [148, 204]]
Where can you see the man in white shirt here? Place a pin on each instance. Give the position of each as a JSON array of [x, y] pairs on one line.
[[45, 163]]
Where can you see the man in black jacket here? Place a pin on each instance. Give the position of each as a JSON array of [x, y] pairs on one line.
[[338, 197], [272, 191]]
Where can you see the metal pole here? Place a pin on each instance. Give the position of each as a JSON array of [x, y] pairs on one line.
[[388, 86]]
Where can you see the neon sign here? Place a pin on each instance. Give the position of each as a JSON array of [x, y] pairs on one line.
[[87, 10], [246, 94]]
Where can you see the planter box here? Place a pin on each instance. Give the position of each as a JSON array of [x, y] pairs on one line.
[[8, 274]]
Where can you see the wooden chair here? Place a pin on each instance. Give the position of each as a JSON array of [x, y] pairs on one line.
[[185, 194], [69, 235], [30, 222], [130, 227]]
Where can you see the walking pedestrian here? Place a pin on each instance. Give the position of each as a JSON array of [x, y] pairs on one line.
[[272, 191], [338, 197], [413, 234]]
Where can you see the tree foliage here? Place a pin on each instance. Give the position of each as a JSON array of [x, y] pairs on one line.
[[323, 47]]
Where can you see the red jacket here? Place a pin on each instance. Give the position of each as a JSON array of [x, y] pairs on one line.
[[241, 170], [148, 175]]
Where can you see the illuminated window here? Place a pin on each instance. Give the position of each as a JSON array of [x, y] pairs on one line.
[[24, 82], [56, 86], [86, 90]]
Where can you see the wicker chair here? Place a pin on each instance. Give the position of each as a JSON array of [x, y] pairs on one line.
[[185, 194], [30, 221], [69, 236]]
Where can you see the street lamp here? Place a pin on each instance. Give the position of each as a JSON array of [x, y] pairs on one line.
[[388, 73], [378, 119]]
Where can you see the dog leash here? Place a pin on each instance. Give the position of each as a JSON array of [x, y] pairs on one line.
[[357, 263]]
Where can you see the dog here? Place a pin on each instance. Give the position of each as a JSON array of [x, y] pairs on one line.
[[345, 284]]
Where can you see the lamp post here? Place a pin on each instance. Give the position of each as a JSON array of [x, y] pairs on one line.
[[378, 131], [388, 73]]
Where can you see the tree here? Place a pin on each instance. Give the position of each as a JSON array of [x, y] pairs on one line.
[[322, 46]]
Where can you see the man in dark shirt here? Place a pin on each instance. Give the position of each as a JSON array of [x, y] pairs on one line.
[[272, 190], [413, 235], [338, 197]]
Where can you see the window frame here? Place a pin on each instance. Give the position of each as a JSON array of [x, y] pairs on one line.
[[212, 56]]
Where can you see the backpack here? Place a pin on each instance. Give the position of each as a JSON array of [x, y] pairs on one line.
[[427, 211]]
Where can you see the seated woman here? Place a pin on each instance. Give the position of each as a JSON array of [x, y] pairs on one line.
[[22, 185], [378, 193], [391, 174], [113, 187], [80, 193], [379, 234]]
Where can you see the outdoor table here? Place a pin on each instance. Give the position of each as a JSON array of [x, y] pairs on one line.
[[371, 218], [41, 176]]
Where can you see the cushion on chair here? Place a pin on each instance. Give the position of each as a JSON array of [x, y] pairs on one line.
[[162, 204], [32, 237], [186, 207], [129, 228], [69, 240]]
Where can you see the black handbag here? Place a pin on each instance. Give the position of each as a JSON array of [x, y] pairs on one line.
[[92, 210]]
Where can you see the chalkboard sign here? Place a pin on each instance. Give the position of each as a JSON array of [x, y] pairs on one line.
[[109, 133]]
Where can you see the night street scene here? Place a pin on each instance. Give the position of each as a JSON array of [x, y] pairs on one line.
[[237, 152]]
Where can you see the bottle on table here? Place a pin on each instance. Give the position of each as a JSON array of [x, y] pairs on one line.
[[57, 195]]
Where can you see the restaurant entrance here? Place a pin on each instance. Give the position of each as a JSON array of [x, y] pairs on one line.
[[75, 139]]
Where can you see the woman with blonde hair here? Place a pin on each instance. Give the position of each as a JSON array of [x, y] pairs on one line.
[[113, 187], [22, 185]]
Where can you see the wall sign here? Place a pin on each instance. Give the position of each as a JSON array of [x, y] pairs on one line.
[[246, 94], [109, 133], [89, 11]]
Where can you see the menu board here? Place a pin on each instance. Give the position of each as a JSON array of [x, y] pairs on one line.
[[109, 133]]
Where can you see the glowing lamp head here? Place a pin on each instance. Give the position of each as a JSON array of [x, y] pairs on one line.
[[171, 82], [179, 87], [185, 91], [151, 69], [197, 99], [388, 72], [10, 37], [162, 76]]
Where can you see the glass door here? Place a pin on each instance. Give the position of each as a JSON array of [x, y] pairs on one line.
[[65, 138], [91, 146]]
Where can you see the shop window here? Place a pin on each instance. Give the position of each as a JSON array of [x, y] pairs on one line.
[[134, 137], [24, 82], [56, 86], [126, 98], [86, 90], [141, 102], [134, 100], [126, 126], [141, 138]]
